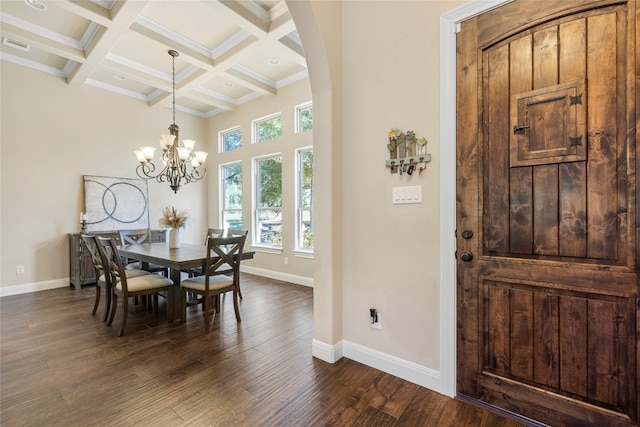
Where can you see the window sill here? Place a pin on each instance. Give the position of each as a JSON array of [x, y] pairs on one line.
[[303, 254], [267, 249]]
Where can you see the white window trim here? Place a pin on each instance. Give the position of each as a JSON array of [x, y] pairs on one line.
[[221, 135], [221, 192], [297, 183], [258, 247], [256, 122], [296, 114]]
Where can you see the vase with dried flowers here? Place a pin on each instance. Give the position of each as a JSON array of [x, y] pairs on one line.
[[175, 220]]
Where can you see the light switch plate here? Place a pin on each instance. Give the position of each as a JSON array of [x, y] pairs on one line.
[[406, 195]]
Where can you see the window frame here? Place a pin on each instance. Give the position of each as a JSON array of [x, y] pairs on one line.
[[255, 210], [298, 109], [256, 122], [222, 133], [222, 192], [298, 202]]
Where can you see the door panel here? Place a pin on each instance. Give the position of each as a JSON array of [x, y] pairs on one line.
[[546, 175]]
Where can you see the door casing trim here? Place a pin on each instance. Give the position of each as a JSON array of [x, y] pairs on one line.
[[449, 26]]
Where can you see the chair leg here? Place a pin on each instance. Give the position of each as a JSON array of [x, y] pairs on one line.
[[206, 301], [107, 306], [235, 305], [184, 306], [170, 305], [125, 311], [239, 291], [95, 305], [114, 303]]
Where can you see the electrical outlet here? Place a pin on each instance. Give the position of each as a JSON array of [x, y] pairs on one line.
[[19, 269], [286, 260], [378, 324]]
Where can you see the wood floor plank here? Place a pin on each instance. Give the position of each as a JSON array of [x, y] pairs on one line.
[[61, 366]]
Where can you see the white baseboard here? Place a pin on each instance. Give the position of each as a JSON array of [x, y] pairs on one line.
[[61, 283], [33, 287], [277, 275], [328, 353], [409, 371]]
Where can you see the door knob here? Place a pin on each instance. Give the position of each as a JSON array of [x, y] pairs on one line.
[[467, 234], [466, 256]]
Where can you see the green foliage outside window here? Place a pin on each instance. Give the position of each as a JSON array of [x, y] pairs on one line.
[[306, 200], [270, 182], [269, 201], [305, 119], [269, 129], [232, 194], [232, 140]]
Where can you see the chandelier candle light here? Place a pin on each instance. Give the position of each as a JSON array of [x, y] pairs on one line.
[[180, 163]]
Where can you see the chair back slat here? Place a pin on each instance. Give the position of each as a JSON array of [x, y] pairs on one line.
[[135, 237], [92, 247], [224, 232], [224, 253], [114, 268]]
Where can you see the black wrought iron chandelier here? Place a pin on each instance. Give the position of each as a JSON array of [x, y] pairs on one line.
[[180, 163]]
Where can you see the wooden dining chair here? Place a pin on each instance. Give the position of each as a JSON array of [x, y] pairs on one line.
[[137, 237], [127, 287], [224, 269], [221, 251], [92, 248]]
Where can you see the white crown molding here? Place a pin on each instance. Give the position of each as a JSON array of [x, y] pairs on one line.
[[116, 89], [170, 34], [43, 32], [292, 78], [230, 43], [248, 73], [32, 64]]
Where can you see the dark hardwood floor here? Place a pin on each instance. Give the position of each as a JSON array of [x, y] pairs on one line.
[[61, 366]]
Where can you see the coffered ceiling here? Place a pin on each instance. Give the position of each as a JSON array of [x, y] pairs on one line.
[[230, 51]]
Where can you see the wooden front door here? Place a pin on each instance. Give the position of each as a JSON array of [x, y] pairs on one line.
[[547, 291]]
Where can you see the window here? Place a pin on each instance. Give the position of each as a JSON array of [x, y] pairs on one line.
[[268, 201], [267, 128], [230, 139], [304, 117], [304, 223], [231, 192]]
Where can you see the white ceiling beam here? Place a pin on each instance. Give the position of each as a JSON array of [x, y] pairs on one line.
[[86, 9], [124, 14], [44, 43], [240, 16], [248, 82], [186, 53]]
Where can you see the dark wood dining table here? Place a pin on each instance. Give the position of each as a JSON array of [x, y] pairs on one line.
[[186, 257]]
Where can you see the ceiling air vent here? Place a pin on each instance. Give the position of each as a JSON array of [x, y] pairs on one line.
[[16, 44]]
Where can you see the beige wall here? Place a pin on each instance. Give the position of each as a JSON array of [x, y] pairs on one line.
[[382, 62], [52, 134], [286, 100], [391, 258], [373, 66]]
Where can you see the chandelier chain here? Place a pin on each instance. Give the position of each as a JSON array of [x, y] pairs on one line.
[[174, 88]]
